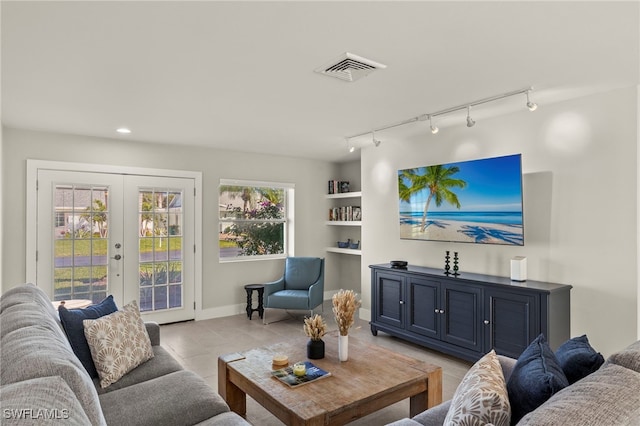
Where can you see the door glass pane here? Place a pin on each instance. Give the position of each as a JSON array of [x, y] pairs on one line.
[[160, 219], [81, 223]]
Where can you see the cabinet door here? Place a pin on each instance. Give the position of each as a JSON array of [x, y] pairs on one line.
[[390, 299], [511, 321], [423, 307], [462, 316]]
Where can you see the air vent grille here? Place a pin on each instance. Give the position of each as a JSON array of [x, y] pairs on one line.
[[350, 67]]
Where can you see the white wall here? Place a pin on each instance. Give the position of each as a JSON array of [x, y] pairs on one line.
[[580, 187], [223, 292]]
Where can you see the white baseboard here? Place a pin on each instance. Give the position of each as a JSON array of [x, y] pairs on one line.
[[365, 314], [229, 310]]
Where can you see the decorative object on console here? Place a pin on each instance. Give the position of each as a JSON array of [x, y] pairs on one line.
[[455, 264], [399, 264], [519, 269], [315, 328], [433, 207], [446, 263], [345, 304]]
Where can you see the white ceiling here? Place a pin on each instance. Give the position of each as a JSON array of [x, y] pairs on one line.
[[239, 75]]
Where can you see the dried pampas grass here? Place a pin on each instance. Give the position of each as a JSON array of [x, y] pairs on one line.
[[315, 327], [345, 304]]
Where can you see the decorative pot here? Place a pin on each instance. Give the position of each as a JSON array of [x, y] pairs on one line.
[[315, 349], [343, 347]]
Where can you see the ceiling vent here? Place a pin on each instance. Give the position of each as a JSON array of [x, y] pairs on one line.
[[350, 67]]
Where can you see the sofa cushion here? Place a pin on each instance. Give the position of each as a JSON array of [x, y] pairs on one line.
[[72, 322], [578, 359], [177, 398], [628, 357], [162, 363], [32, 340], [535, 378], [481, 396], [118, 342], [608, 397], [44, 400]]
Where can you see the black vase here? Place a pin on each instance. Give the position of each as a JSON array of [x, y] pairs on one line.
[[315, 349]]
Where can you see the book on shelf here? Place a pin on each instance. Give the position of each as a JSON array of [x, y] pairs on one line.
[[338, 186], [313, 373], [345, 213]]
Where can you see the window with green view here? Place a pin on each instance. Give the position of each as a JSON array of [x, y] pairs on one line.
[[254, 220]]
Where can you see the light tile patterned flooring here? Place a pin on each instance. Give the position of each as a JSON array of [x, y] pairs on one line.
[[197, 345]]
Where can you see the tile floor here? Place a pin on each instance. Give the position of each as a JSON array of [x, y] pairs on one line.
[[197, 345]]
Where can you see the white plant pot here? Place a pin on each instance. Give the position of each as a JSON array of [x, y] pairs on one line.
[[343, 348]]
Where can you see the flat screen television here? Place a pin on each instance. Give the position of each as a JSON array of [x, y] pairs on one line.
[[478, 201]]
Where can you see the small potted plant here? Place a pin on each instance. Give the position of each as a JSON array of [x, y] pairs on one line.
[[315, 328]]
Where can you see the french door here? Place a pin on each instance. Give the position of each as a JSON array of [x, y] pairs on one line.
[[127, 235]]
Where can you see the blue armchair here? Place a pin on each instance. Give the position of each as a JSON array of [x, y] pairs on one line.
[[300, 288]]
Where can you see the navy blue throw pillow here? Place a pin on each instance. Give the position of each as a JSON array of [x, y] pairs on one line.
[[578, 359], [535, 378], [72, 322]]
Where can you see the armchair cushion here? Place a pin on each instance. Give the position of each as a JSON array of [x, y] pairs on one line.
[[301, 272]]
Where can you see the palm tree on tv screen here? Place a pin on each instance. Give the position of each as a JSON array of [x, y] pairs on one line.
[[438, 181]]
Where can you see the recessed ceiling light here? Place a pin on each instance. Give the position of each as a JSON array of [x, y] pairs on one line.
[[123, 131]]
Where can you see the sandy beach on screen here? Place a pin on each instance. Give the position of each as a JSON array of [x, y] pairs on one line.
[[452, 230]]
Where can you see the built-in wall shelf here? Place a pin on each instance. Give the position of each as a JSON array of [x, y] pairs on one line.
[[344, 251], [354, 194]]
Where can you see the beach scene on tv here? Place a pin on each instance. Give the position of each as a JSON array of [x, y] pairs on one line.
[[478, 201]]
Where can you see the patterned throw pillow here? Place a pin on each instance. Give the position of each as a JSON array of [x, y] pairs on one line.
[[481, 397], [119, 342]]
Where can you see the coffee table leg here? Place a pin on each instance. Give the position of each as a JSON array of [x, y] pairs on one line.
[[431, 397], [233, 395]]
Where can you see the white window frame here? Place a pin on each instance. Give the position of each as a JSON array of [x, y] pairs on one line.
[[289, 228]]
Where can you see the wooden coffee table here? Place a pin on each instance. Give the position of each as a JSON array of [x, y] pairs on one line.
[[372, 378]]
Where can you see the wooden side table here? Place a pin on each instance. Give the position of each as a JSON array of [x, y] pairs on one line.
[[249, 288]]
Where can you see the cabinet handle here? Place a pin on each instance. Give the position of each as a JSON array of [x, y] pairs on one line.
[[437, 311], [402, 302], [441, 311], [486, 322]]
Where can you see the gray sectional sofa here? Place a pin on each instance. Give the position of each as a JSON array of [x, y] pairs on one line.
[[608, 397], [42, 381]]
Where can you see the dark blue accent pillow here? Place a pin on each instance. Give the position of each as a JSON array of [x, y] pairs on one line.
[[72, 322], [535, 378], [578, 359]]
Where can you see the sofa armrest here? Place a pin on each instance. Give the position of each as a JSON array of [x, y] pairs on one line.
[[153, 328], [507, 365], [272, 287]]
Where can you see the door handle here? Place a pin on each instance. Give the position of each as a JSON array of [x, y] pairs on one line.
[[117, 257]]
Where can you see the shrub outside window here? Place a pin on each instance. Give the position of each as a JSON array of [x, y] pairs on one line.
[[253, 220]]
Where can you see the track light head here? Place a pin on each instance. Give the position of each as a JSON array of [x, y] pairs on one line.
[[376, 142], [434, 129], [470, 121], [350, 146], [531, 105]]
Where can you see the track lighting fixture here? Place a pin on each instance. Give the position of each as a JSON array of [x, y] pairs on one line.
[[470, 121], [434, 129], [349, 145], [376, 142], [531, 105]]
